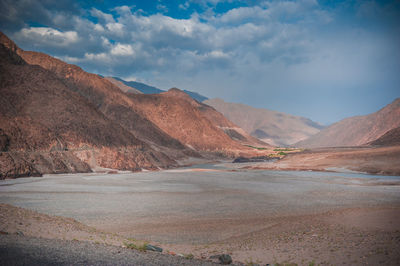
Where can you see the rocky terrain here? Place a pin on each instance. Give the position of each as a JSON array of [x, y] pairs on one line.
[[43, 129], [30, 238], [390, 138], [273, 127], [194, 124], [57, 118], [263, 217], [358, 130]]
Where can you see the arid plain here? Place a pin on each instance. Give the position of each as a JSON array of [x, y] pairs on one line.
[[257, 216]]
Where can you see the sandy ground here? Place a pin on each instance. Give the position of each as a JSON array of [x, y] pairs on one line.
[[20, 221], [373, 160], [22, 250], [25, 240], [256, 216], [361, 236]]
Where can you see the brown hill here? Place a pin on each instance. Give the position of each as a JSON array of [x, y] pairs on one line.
[[124, 108], [390, 138], [122, 86], [192, 123], [57, 118], [273, 127], [108, 99], [47, 125], [358, 130]]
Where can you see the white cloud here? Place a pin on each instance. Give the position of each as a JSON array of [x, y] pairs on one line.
[[242, 13], [217, 54], [122, 49], [48, 36], [98, 27], [116, 28], [123, 9], [97, 57], [108, 18]]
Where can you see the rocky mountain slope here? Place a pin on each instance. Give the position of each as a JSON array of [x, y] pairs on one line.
[[43, 129], [390, 138], [57, 118], [107, 99], [192, 123], [273, 127], [358, 130]]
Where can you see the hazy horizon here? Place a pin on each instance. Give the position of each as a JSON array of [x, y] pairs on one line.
[[324, 60]]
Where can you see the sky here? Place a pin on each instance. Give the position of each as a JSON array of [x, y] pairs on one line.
[[325, 60]]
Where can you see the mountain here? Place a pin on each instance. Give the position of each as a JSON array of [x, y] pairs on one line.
[[194, 124], [42, 129], [107, 99], [146, 89], [358, 130], [273, 127], [57, 118], [198, 97]]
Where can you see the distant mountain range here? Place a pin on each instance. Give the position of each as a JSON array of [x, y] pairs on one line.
[[269, 126], [125, 88], [146, 89], [359, 130], [273, 127]]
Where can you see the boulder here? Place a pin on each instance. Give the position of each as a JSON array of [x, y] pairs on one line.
[[222, 258], [153, 248]]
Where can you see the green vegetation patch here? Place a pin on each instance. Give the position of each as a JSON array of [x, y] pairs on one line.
[[257, 148], [285, 149], [140, 247]]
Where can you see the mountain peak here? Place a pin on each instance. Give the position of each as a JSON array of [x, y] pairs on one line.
[[8, 43], [358, 130], [177, 93], [174, 89]]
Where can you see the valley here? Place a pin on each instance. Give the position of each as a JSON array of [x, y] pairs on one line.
[[261, 216], [91, 162]]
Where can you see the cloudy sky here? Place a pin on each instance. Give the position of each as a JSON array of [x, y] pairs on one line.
[[324, 60]]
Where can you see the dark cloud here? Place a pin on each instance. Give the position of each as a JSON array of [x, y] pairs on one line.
[[16, 14]]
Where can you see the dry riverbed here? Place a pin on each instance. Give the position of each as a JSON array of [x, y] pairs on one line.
[[256, 216], [372, 160]]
